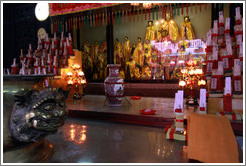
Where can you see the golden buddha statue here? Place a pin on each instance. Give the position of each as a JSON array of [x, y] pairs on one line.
[[118, 52], [146, 72], [187, 32], [138, 52], [94, 51], [150, 32], [147, 52], [171, 26], [126, 49], [132, 69], [86, 47]]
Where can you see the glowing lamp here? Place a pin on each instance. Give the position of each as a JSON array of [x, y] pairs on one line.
[[201, 82], [147, 5], [182, 83], [83, 82], [134, 4], [42, 11], [81, 73], [162, 21], [69, 74], [184, 71], [70, 82]]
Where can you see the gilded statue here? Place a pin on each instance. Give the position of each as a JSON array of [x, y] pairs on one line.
[[171, 26], [150, 32], [187, 32], [94, 51], [147, 52], [118, 57], [138, 52], [126, 49]]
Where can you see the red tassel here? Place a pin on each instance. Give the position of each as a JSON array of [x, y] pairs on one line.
[[200, 7], [112, 18], [130, 15], [182, 8], [126, 17], [109, 22], [133, 14], [206, 6], [187, 9]]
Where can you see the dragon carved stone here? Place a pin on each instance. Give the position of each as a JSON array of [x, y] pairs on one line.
[[36, 114]]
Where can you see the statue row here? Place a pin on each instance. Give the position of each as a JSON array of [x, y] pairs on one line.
[[168, 30]]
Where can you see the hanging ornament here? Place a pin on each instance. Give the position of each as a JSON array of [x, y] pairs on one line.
[[112, 17], [145, 12], [109, 19], [103, 19], [94, 20], [160, 12], [51, 27], [115, 17], [66, 25], [119, 18], [200, 7], [142, 14], [130, 15], [206, 5], [79, 22], [138, 14], [187, 8], [195, 8], [126, 17], [157, 13], [82, 22], [182, 8], [174, 10], [171, 10], [191, 8], [71, 23], [153, 13], [133, 14], [178, 10], [163, 11], [76, 23], [149, 13], [99, 19], [123, 17], [90, 20]]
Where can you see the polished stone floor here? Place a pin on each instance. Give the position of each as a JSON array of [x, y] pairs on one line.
[[163, 106], [87, 141]]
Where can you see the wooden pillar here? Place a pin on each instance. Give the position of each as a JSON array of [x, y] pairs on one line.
[[110, 38]]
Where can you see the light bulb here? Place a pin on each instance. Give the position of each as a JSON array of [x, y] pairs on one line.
[[42, 11]]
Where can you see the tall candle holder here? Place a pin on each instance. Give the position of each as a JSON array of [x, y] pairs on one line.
[[191, 79], [76, 79]]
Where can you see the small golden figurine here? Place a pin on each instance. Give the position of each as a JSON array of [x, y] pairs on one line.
[[138, 52], [150, 32], [118, 58], [126, 49], [187, 32]]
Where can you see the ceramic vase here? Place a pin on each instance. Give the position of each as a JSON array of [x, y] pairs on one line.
[[114, 86]]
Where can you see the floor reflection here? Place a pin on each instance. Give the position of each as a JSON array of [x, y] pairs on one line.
[[86, 141]]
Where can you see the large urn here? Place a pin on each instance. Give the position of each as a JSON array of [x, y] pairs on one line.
[[114, 86]]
